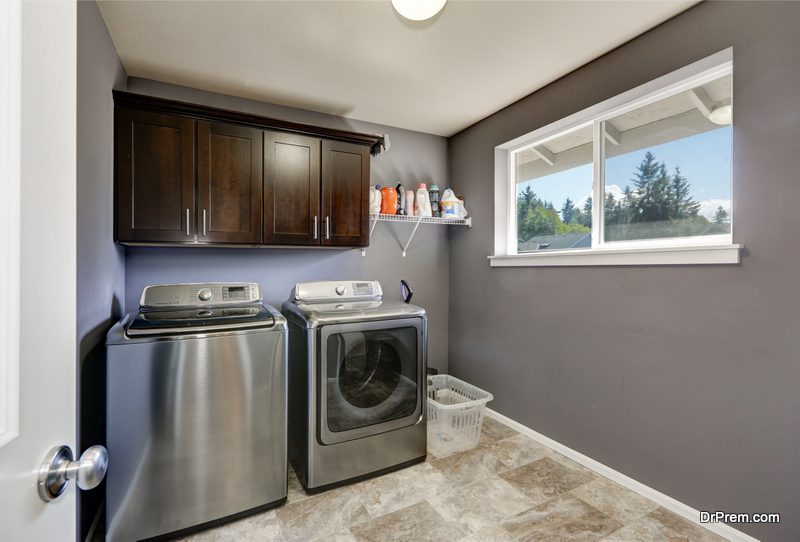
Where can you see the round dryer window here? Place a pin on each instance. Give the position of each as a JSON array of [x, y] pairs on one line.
[[371, 377]]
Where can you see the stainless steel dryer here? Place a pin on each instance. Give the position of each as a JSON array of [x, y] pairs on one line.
[[196, 410], [356, 382]]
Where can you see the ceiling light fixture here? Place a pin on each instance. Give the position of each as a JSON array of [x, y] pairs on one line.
[[722, 115], [418, 10]]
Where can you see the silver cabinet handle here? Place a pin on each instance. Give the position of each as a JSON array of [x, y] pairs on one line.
[[204, 222], [327, 227], [58, 469], [316, 228], [187, 222]]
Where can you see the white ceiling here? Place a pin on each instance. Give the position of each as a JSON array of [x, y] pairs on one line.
[[361, 60]]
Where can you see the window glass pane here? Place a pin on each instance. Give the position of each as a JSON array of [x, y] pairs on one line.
[[554, 193], [668, 167]]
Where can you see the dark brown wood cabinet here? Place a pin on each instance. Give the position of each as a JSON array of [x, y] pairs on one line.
[[291, 189], [345, 194], [190, 174], [229, 183], [155, 177]]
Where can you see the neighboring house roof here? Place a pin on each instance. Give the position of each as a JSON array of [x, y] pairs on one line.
[[556, 242]]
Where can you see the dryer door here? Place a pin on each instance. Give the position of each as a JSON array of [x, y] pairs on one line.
[[372, 378]]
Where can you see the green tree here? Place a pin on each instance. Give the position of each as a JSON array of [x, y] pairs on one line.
[[612, 209], [585, 218], [525, 201], [569, 212], [627, 205], [657, 205], [683, 204], [722, 217], [654, 200], [536, 217]]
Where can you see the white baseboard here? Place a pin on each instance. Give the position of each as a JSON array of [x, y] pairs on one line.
[[659, 498]]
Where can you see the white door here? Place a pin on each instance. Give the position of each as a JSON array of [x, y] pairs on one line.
[[37, 262]]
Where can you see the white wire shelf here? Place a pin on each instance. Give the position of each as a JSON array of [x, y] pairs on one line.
[[416, 220], [423, 219]]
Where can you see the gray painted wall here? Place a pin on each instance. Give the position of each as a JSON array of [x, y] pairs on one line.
[[101, 263], [414, 156], [684, 378]]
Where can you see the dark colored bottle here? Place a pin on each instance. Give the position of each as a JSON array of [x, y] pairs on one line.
[[401, 199], [434, 195]]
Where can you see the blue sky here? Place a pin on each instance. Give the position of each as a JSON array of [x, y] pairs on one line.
[[704, 159]]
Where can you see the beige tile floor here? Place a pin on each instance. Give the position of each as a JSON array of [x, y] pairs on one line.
[[508, 488]]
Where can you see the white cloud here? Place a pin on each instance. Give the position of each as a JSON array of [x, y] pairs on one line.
[[613, 188], [708, 207]]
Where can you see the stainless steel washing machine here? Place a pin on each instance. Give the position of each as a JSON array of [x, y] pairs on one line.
[[356, 382], [196, 410]]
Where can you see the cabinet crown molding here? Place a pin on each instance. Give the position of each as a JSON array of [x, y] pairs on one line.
[[204, 112]]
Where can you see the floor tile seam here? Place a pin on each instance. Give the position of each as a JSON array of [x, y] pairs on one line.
[[544, 503], [689, 523], [670, 531], [285, 529], [507, 468], [626, 523]]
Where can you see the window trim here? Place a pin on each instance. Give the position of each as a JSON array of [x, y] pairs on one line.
[[717, 249]]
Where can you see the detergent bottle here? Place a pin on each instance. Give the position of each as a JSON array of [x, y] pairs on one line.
[[401, 199], [423, 203], [388, 201], [410, 202], [434, 195], [375, 199], [451, 206]]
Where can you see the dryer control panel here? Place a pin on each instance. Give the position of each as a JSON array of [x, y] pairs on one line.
[[204, 294], [336, 290]]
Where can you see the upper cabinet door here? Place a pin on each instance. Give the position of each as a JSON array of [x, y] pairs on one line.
[[345, 194], [291, 189], [155, 177], [229, 183]]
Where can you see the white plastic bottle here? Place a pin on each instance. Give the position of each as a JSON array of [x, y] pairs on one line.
[[410, 203], [422, 207], [450, 205], [374, 200]]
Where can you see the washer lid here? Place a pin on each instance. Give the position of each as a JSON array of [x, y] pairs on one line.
[[200, 320]]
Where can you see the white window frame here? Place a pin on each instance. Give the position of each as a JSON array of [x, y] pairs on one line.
[[711, 249]]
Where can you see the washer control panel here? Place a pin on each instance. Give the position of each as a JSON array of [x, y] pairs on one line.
[[336, 290], [206, 294]]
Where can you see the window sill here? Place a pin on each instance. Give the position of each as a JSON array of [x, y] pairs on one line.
[[699, 255]]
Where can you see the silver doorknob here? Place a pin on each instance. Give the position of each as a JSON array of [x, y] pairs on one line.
[[58, 469]]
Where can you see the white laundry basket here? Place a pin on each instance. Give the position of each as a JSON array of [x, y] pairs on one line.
[[455, 414]]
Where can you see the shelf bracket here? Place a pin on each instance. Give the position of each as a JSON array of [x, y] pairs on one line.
[[371, 229], [416, 220], [416, 225]]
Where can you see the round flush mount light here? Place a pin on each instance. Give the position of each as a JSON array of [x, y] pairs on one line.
[[722, 115], [418, 10]]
